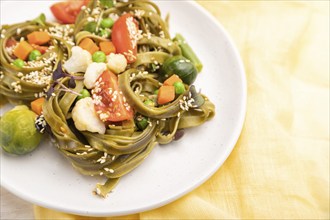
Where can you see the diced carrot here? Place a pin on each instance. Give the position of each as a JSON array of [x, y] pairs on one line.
[[36, 105], [42, 49], [166, 94], [107, 47], [89, 45], [173, 79], [38, 37], [22, 50]]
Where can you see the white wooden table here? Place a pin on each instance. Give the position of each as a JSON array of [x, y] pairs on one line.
[[12, 207]]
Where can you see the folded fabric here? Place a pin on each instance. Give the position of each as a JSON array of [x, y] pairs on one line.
[[279, 168]]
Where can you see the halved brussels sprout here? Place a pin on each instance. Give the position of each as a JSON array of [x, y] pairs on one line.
[[180, 66], [18, 134]]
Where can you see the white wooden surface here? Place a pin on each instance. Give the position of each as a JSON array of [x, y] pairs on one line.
[[13, 207]]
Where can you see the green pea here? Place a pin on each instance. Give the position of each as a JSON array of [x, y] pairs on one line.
[[149, 102], [34, 54], [19, 63], [179, 88], [90, 26], [84, 94], [104, 33], [107, 23], [156, 91], [99, 57], [141, 122]]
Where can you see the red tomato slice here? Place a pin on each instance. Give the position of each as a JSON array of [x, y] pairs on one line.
[[61, 13], [124, 36], [109, 102], [66, 12]]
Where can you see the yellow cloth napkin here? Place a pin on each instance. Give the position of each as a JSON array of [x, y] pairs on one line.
[[279, 168]]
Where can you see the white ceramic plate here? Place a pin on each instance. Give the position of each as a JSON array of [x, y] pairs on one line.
[[45, 178]]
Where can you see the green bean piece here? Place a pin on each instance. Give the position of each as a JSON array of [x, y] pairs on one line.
[[188, 52]]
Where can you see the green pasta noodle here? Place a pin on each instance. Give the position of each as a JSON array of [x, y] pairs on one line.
[[124, 145], [26, 83]]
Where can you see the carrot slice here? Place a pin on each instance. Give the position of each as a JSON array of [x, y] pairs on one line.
[[22, 50], [107, 47], [173, 79], [38, 37], [36, 105], [89, 45], [166, 94]]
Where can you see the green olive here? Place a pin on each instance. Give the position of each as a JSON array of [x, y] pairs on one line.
[[99, 57], [34, 54]]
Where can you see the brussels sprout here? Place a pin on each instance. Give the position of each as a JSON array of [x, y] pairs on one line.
[[18, 134], [180, 66]]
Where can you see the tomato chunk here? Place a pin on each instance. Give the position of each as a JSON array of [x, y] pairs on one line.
[[66, 12], [11, 42], [109, 102], [124, 36]]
